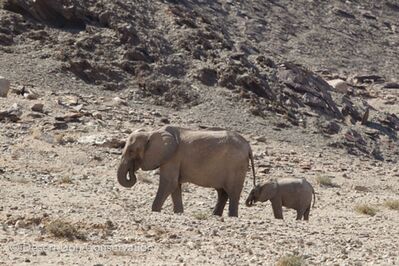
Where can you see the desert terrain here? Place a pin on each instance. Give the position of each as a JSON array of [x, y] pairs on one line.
[[313, 86]]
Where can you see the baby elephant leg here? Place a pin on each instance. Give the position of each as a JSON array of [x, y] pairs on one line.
[[277, 206]]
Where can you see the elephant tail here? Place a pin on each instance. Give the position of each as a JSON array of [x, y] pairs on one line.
[[314, 197], [253, 165]]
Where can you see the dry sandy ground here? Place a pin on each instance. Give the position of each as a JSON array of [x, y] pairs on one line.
[[48, 175]]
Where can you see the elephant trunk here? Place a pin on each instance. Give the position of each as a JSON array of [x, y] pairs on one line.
[[124, 167], [249, 202]]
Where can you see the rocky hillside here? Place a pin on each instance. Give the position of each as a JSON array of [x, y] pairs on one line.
[[312, 84], [277, 56]]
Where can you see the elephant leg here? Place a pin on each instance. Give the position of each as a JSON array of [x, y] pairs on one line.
[[233, 205], [234, 191], [222, 199], [306, 214], [299, 214], [177, 200], [277, 206], [166, 187]]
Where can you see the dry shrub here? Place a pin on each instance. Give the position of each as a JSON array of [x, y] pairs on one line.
[[63, 229], [392, 204], [290, 260], [366, 209], [325, 181], [65, 180], [200, 215]]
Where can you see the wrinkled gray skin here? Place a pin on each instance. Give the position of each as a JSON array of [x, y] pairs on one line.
[[217, 159], [293, 193]]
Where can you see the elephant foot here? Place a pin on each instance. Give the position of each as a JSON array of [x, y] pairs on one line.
[[178, 210], [156, 209], [218, 212]]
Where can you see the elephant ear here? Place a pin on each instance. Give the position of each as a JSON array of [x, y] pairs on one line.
[[161, 146]]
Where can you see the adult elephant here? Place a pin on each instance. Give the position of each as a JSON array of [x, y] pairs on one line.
[[217, 159]]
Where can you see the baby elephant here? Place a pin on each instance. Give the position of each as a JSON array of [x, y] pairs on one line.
[[293, 193]]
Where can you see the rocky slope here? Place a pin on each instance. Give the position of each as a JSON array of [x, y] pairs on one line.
[[313, 85]]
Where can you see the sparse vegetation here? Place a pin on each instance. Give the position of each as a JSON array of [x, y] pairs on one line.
[[201, 215], [392, 204], [63, 229], [325, 181], [366, 209], [290, 260], [65, 180], [59, 138]]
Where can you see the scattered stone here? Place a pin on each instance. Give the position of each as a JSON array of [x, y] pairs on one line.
[[207, 76], [19, 90], [353, 136], [69, 117], [13, 114], [313, 101], [349, 108], [361, 188], [343, 13], [20, 224], [103, 141], [391, 85], [262, 60], [118, 101], [331, 127], [78, 108], [97, 115], [361, 79], [31, 96], [35, 115], [306, 166], [60, 125], [261, 139], [365, 117], [392, 121], [339, 85], [377, 154], [37, 107], [165, 121], [4, 86], [138, 54]]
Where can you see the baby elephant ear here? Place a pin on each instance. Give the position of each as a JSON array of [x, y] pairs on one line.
[[160, 147]]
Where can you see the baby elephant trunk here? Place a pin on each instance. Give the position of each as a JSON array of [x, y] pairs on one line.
[[125, 167], [250, 200]]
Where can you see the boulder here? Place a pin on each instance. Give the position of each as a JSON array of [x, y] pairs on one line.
[[339, 85], [207, 76], [37, 107], [331, 127], [315, 90], [4, 86], [12, 114]]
